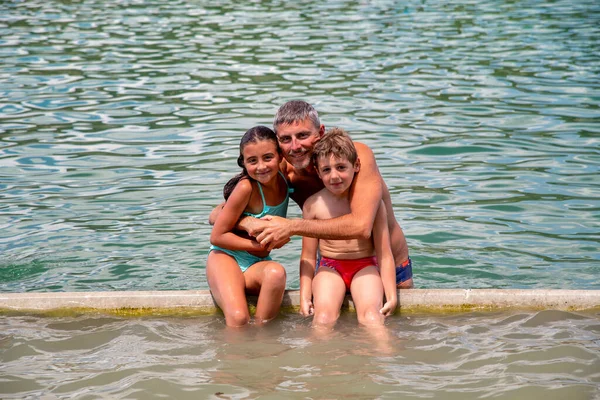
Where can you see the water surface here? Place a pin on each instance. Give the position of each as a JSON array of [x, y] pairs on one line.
[[120, 121], [501, 355]]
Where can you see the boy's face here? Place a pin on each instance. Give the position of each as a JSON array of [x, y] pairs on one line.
[[337, 173]]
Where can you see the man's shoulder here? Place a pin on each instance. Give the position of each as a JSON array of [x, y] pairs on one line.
[[362, 148]]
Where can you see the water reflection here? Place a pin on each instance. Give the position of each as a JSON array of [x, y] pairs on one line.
[[120, 121]]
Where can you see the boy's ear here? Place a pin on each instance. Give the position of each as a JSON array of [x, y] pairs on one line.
[[357, 165], [316, 165]]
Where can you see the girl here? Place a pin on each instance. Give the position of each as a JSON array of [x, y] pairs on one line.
[[236, 264]]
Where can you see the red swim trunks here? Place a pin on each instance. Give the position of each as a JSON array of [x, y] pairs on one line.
[[347, 268]]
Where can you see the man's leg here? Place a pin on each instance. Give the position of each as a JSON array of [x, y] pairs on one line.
[[404, 275]]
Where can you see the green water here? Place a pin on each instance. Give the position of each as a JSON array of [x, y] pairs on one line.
[[120, 120]]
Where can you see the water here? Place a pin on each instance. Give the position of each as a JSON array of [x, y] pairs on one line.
[[120, 120], [547, 354]]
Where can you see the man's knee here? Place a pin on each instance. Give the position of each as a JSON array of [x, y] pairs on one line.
[[407, 284]]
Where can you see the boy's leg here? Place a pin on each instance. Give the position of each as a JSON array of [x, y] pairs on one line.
[[329, 291], [227, 286], [367, 295], [267, 280]]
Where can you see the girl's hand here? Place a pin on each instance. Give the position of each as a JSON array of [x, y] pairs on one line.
[[388, 308]]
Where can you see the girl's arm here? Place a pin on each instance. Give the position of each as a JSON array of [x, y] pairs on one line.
[[385, 259], [308, 260], [226, 221]]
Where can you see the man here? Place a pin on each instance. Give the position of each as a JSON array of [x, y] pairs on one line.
[[298, 128]]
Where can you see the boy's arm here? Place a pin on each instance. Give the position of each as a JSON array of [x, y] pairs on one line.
[[226, 221], [385, 259], [308, 260], [365, 196]]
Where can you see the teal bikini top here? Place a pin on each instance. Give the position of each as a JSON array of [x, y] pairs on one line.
[[280, 209]]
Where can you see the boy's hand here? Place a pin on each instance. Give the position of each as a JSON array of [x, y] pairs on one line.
[[388, 308], [306, 307]]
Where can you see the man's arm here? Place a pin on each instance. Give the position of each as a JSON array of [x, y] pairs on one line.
[[365, 196], [215, 213], [385, 260]]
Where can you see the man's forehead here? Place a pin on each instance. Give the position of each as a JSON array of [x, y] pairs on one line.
[[296, 127]]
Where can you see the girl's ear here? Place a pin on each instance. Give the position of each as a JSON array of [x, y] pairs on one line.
[[357, 165]]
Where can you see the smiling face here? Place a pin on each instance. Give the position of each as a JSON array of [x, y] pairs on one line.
[[297, 140], [261, 160], [336, 173]]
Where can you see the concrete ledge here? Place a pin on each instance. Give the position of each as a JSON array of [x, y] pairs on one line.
[[201, 301]]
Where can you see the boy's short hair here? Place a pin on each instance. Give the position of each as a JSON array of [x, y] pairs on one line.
[[336, 142]]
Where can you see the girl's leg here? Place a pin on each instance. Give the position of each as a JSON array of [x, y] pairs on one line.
[[227, 286], [329, 291], [267, 280], [367, 294]]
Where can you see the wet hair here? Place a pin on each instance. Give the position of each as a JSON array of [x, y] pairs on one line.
[[295, 111], [252, 135], [336, 142]]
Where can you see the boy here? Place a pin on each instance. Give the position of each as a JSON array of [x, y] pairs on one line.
[[344, 265]]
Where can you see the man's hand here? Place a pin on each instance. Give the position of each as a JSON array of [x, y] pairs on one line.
[[212, 218], [253, 226], [276, 233]]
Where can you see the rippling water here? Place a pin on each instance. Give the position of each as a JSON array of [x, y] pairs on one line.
[[120, 120], [548, 354]]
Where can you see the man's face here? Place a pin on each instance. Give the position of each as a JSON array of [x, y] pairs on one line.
[[297, 141]]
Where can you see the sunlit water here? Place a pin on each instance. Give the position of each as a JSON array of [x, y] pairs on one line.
[[120, 122], [548, 354], [119, 125]]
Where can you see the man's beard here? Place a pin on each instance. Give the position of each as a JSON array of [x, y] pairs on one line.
[[300, 164]]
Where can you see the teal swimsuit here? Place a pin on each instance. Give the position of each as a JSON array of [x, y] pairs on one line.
[[243, 258]]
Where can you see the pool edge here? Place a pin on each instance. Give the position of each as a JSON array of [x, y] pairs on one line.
[[200, 302]]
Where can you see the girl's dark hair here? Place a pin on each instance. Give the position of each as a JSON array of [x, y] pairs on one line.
[[252, 135]]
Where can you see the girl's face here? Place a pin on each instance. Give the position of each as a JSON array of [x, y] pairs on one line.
[[261, 160]]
